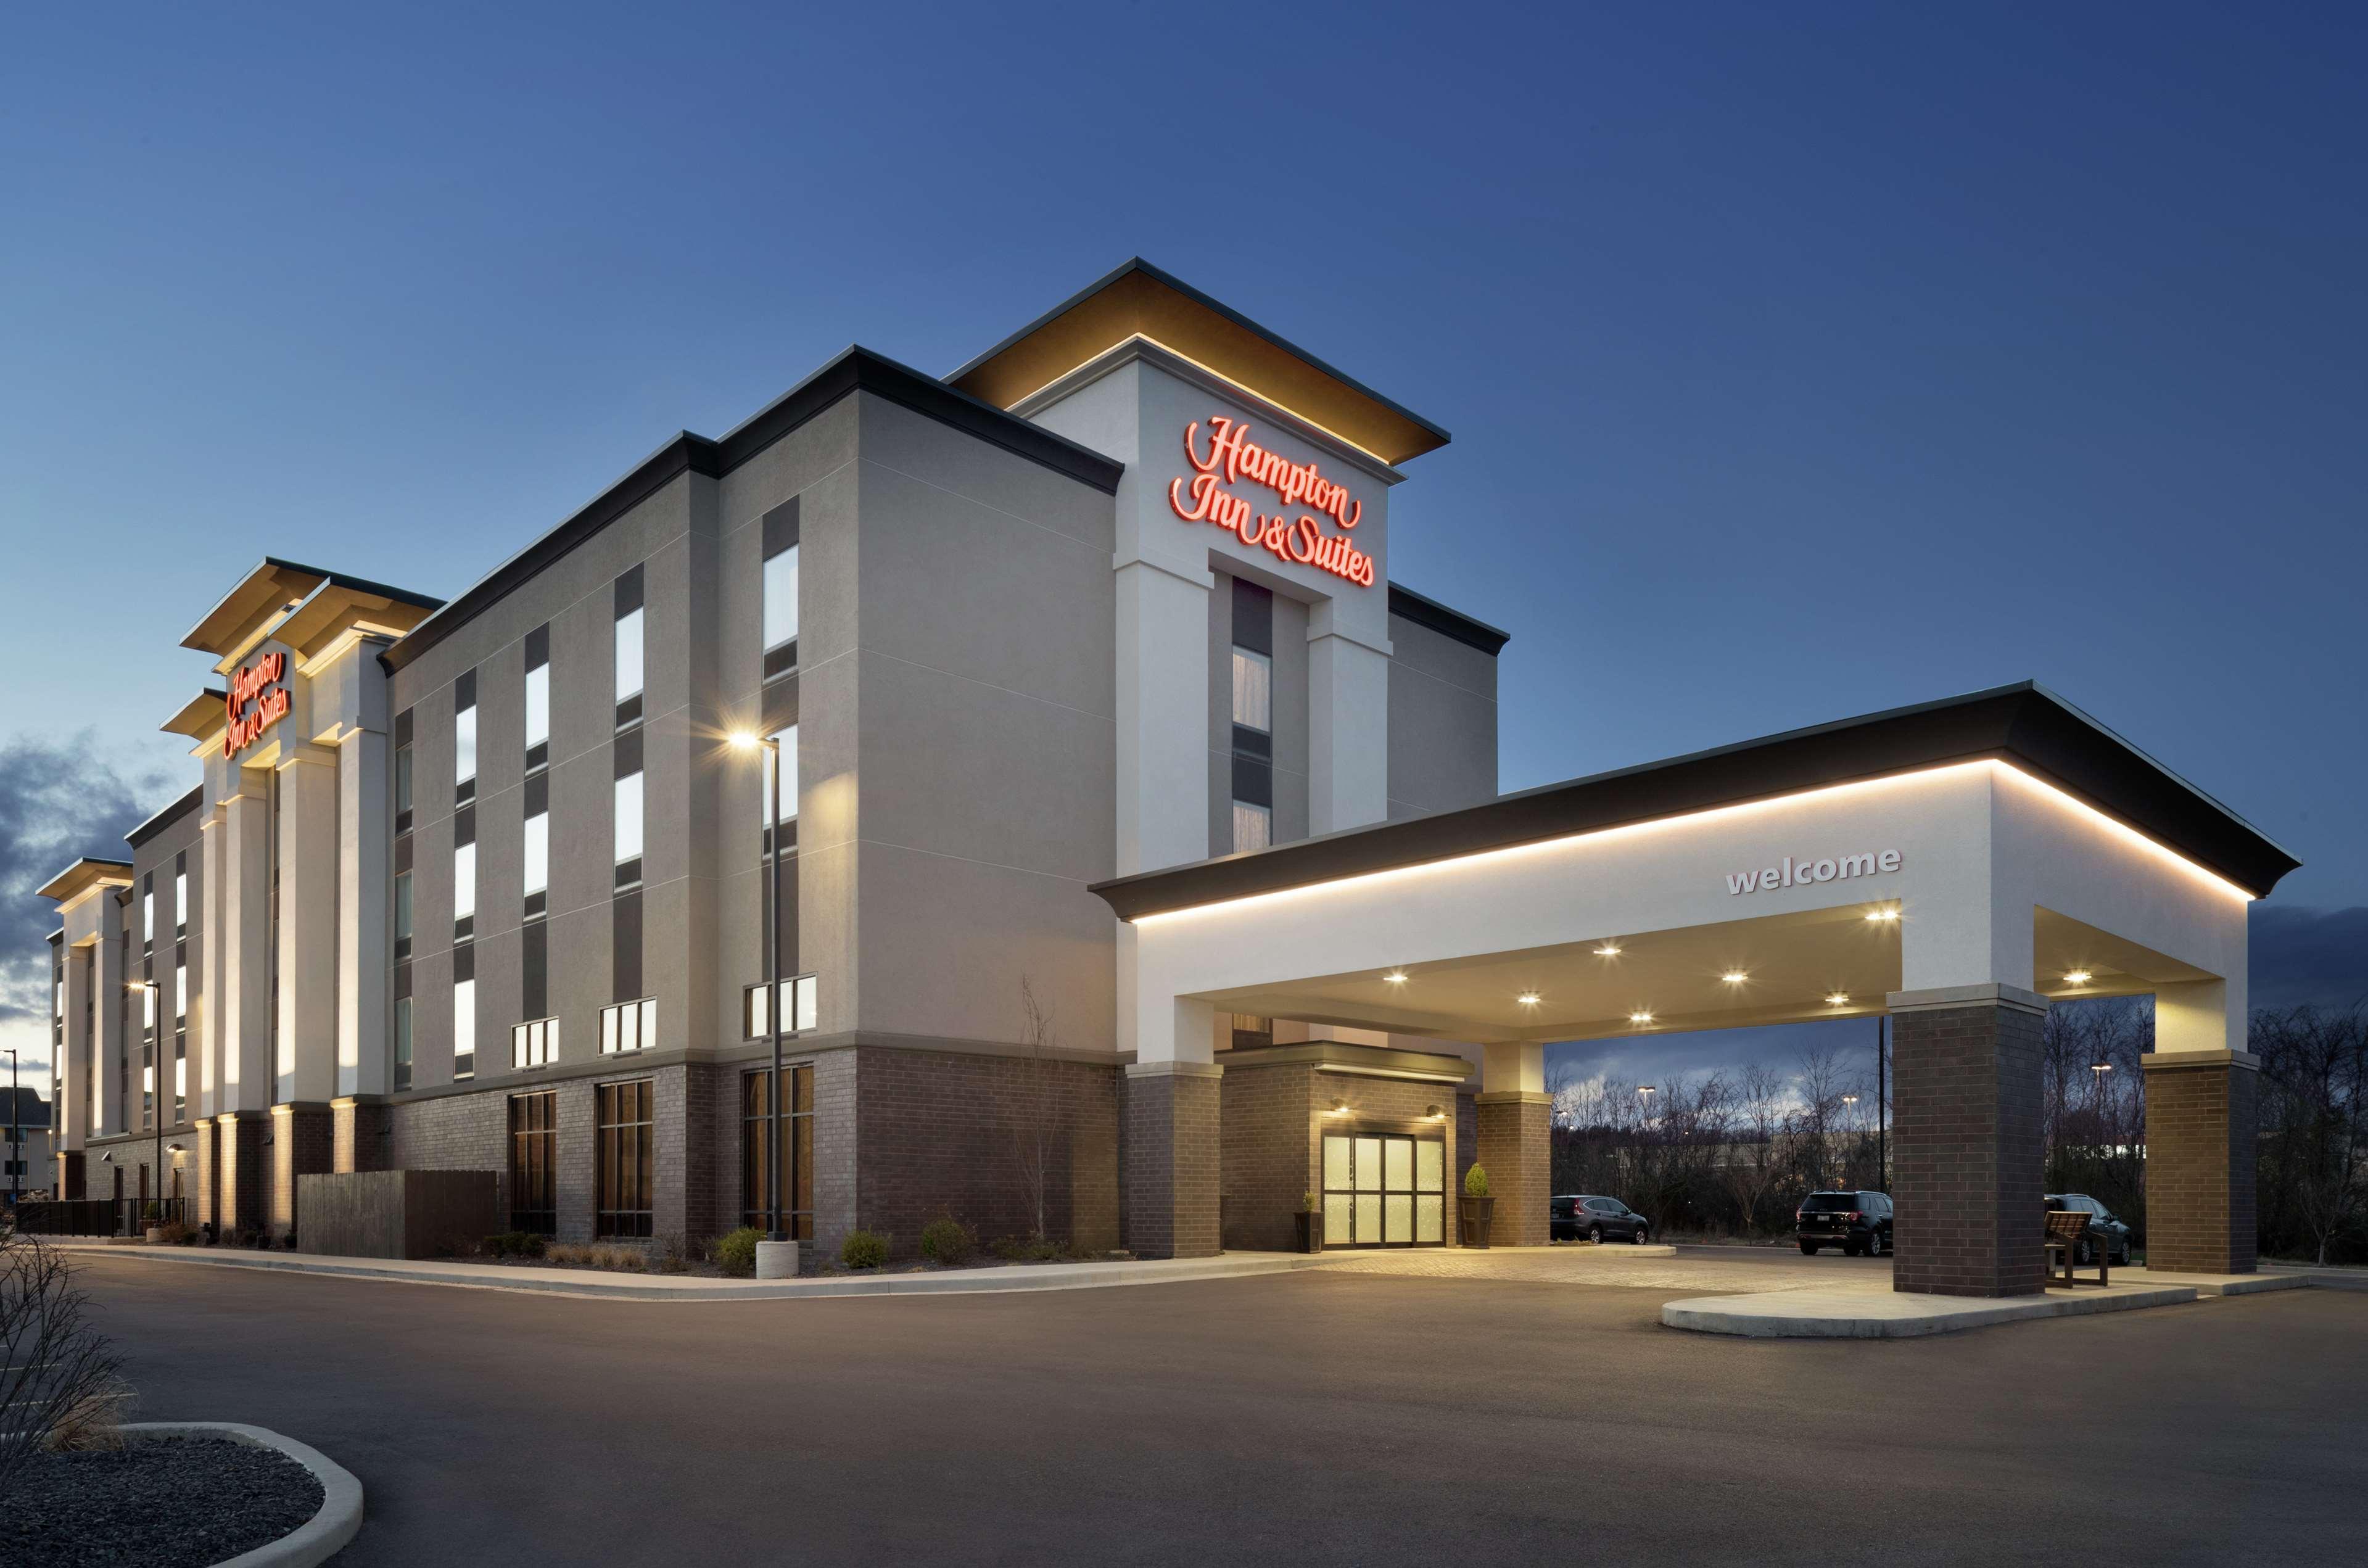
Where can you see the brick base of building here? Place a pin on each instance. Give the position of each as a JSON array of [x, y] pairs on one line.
[[243, 1198], [304, 1143], [2200, 1133], [1517, 1151], [1174, 1122], [361, 1134], [1967, 1158], [1271, 1142]]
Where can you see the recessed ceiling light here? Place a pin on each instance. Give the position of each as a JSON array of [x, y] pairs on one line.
[[2077, 977], [1640, 1017], [1609, 951], [1836, 999], [1735, 977], [1528, 998], [1396, 977]]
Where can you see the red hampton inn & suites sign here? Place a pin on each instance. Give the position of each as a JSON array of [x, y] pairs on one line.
[[258, 698], [1231, 458]]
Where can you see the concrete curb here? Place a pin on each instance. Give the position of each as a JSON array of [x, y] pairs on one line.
[[318, 1538], [593, 1287], [1810, 1314]]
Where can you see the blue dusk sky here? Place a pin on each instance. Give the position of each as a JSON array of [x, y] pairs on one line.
[[1802, 360]]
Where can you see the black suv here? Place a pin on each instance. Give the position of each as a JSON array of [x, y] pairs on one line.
[[1858, 1223], [1598, 1220], [2102, 1227]]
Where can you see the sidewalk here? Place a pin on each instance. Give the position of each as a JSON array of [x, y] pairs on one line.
[[1870, 1309], [595, 1283]]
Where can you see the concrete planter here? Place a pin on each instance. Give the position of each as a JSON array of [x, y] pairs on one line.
[[153, 1235], [777, 1260], [317, 1539], [1311, 1232], [1472, 1218]]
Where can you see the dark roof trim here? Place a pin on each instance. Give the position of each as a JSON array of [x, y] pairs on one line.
[[357, 585], [856, 369], [1136, 264], [1407, 605], [165, 818], [2024, 724]]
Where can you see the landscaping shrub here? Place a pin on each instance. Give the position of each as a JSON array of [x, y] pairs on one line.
[[863, 1249], [517, 1244], [946, 1240], [175, 1234], [736, 1253], [1037, 1249], [1475, 1183], [599, 1255]]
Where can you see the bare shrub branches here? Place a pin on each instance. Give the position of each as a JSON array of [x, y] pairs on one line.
[[58, 1381]]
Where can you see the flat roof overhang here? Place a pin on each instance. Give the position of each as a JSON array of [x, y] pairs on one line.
[[83, 875], [274, 589], [2024, 726], [1138, 300]]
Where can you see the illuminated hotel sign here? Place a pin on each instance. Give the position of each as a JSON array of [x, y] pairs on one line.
[[259, 699], [1232, 458], [1802, 872]]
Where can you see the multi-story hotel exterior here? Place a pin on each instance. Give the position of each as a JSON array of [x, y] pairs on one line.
[[1092, 688]]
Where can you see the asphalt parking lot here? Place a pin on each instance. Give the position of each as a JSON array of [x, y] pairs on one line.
[[1324, 1417]]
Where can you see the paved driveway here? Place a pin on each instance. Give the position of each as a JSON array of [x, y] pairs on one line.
[[1695, 1270], [1328, 1417]]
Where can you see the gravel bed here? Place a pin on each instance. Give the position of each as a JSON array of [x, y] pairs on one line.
[[168, 1502]]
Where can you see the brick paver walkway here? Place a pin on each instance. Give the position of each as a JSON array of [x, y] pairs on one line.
[[1698, 1269]]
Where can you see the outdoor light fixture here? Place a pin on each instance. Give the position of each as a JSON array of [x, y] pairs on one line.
[[107, 1158], [1528, 998], [1880, 915], [1837, 999], [1735, 977], [745, 740], [2100, 1068], [1435, 1113], [2077, 977], [1640, 1017], [1340, 1108], [1646, 1092], [1396, 977], [1609, 951], [176, 1148], [1849, 1099]]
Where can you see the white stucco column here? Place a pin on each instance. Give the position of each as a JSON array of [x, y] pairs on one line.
[[362, 950], [242, 1051], [205, 1054], [113, 1020], [1348, 725], [1163, 707], [72, 1111], [306, 1068]]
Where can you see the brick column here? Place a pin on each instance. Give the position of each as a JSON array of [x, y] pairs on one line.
[[1965, 1140], [70, 1173], [358, 1130], [1517, 1151], [243, 1194], [209, 1169], [304, 1143], [1172, 1158], [2199, 1130]]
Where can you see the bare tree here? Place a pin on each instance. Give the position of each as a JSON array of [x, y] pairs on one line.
[[57, 1375], [1039, 1109], [2315, 1117], [1751, 1161]]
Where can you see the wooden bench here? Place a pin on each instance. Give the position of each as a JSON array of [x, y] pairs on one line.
[[2066, 1232]]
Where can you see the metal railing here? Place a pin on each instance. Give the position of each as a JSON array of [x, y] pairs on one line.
[[97, 1216]]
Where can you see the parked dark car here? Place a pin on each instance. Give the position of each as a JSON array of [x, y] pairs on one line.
[[1858, 1223], [1583, 1215], [2104, 1228]]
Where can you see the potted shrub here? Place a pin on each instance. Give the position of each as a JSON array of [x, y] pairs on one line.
[[1311, 1224], [153, 1222], [1475, 1209]]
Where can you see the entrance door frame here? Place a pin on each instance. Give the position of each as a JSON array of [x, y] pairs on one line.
[[1420, 1130]]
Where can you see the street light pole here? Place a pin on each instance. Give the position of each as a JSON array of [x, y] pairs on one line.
[[1881, 1154], [15, 1137], [777, 1248]]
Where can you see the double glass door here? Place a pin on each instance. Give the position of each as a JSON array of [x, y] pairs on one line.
[[1385, 1189]]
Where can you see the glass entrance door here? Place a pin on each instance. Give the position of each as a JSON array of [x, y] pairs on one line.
[[1385, 1189]]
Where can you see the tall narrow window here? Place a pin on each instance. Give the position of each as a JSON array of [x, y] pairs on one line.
[[629, 648], [537, 863], [628, 1146], [464, 1028], [402, 1036], [538, 697], [148, 913], [402, 915], [403, 771], [180, 896], [1253, 725], [796, 1194], [627, 771], [180, 1039], [464, 873], [781, 546], [787, 741], [1254, 690], [534, 1147], [464, 737]]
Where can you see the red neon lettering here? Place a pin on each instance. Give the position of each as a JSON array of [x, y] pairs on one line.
[[1232, 457], [268, 706]]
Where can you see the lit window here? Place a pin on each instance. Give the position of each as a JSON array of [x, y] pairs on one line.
[[464, 1028], [148, 1007], [629, 818], [629, 1025], [181, 994], [534, 1044], [1253, 826], [403, 788], [780, 601], [538, 704], [538, 852], [1253, 690], [788, 754], [464, 747], [181, 902], [148, 917], [464, 882], [804, 1004], [629, 654]]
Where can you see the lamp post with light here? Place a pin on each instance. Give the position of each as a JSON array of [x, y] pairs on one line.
[[156, 1098], [15, 1137], [777, 1254]]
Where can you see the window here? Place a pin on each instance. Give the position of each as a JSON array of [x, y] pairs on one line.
[[180, 900], [788, 739], [537, 859], [148, 1007], [402, 915], [628, 827], [534, 1148], [180, 995], [797, 1130], [464, 889], [464, 737], [629, 1025], [1383, 1190], [1251, 1032], [627, 1145], [534, 1044], [1254, 690], [1253, 826], [403, 771], [148, 915], [464, 1028], [782, 612], [629, 648], [538, 697], [803, 1003], [402, 1043]]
